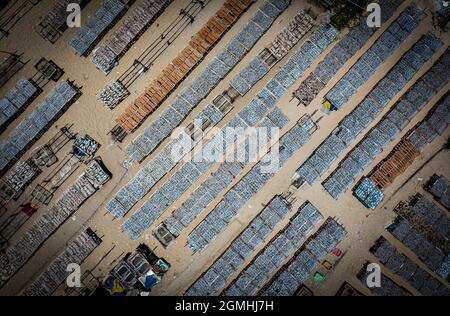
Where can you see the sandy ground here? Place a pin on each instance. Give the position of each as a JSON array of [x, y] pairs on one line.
[[89, 116]]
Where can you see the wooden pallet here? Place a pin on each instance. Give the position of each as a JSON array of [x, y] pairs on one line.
[[400, 158]]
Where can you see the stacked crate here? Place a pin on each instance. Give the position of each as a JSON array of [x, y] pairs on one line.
[[308, 89], [107, 55], [290, 35], [111, 93], [252, 237], [368, 193], [244, 189], [219, 180], [97, 24], [22, 174], [16, 99]]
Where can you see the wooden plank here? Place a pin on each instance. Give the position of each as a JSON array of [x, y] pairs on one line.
[[235, 11], [151, 99], [218, 27], [139, 112], [124, 122], [171, 70], [204, 34], [238, 4], [192, 51], [165, 82], [224, 14], [144, 104], [141, 104], [173, 76], [130, 116], [196, 43], [179, 63], [160, 88], [173, 73], [188, 60], [209, 35], [154, 94]]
